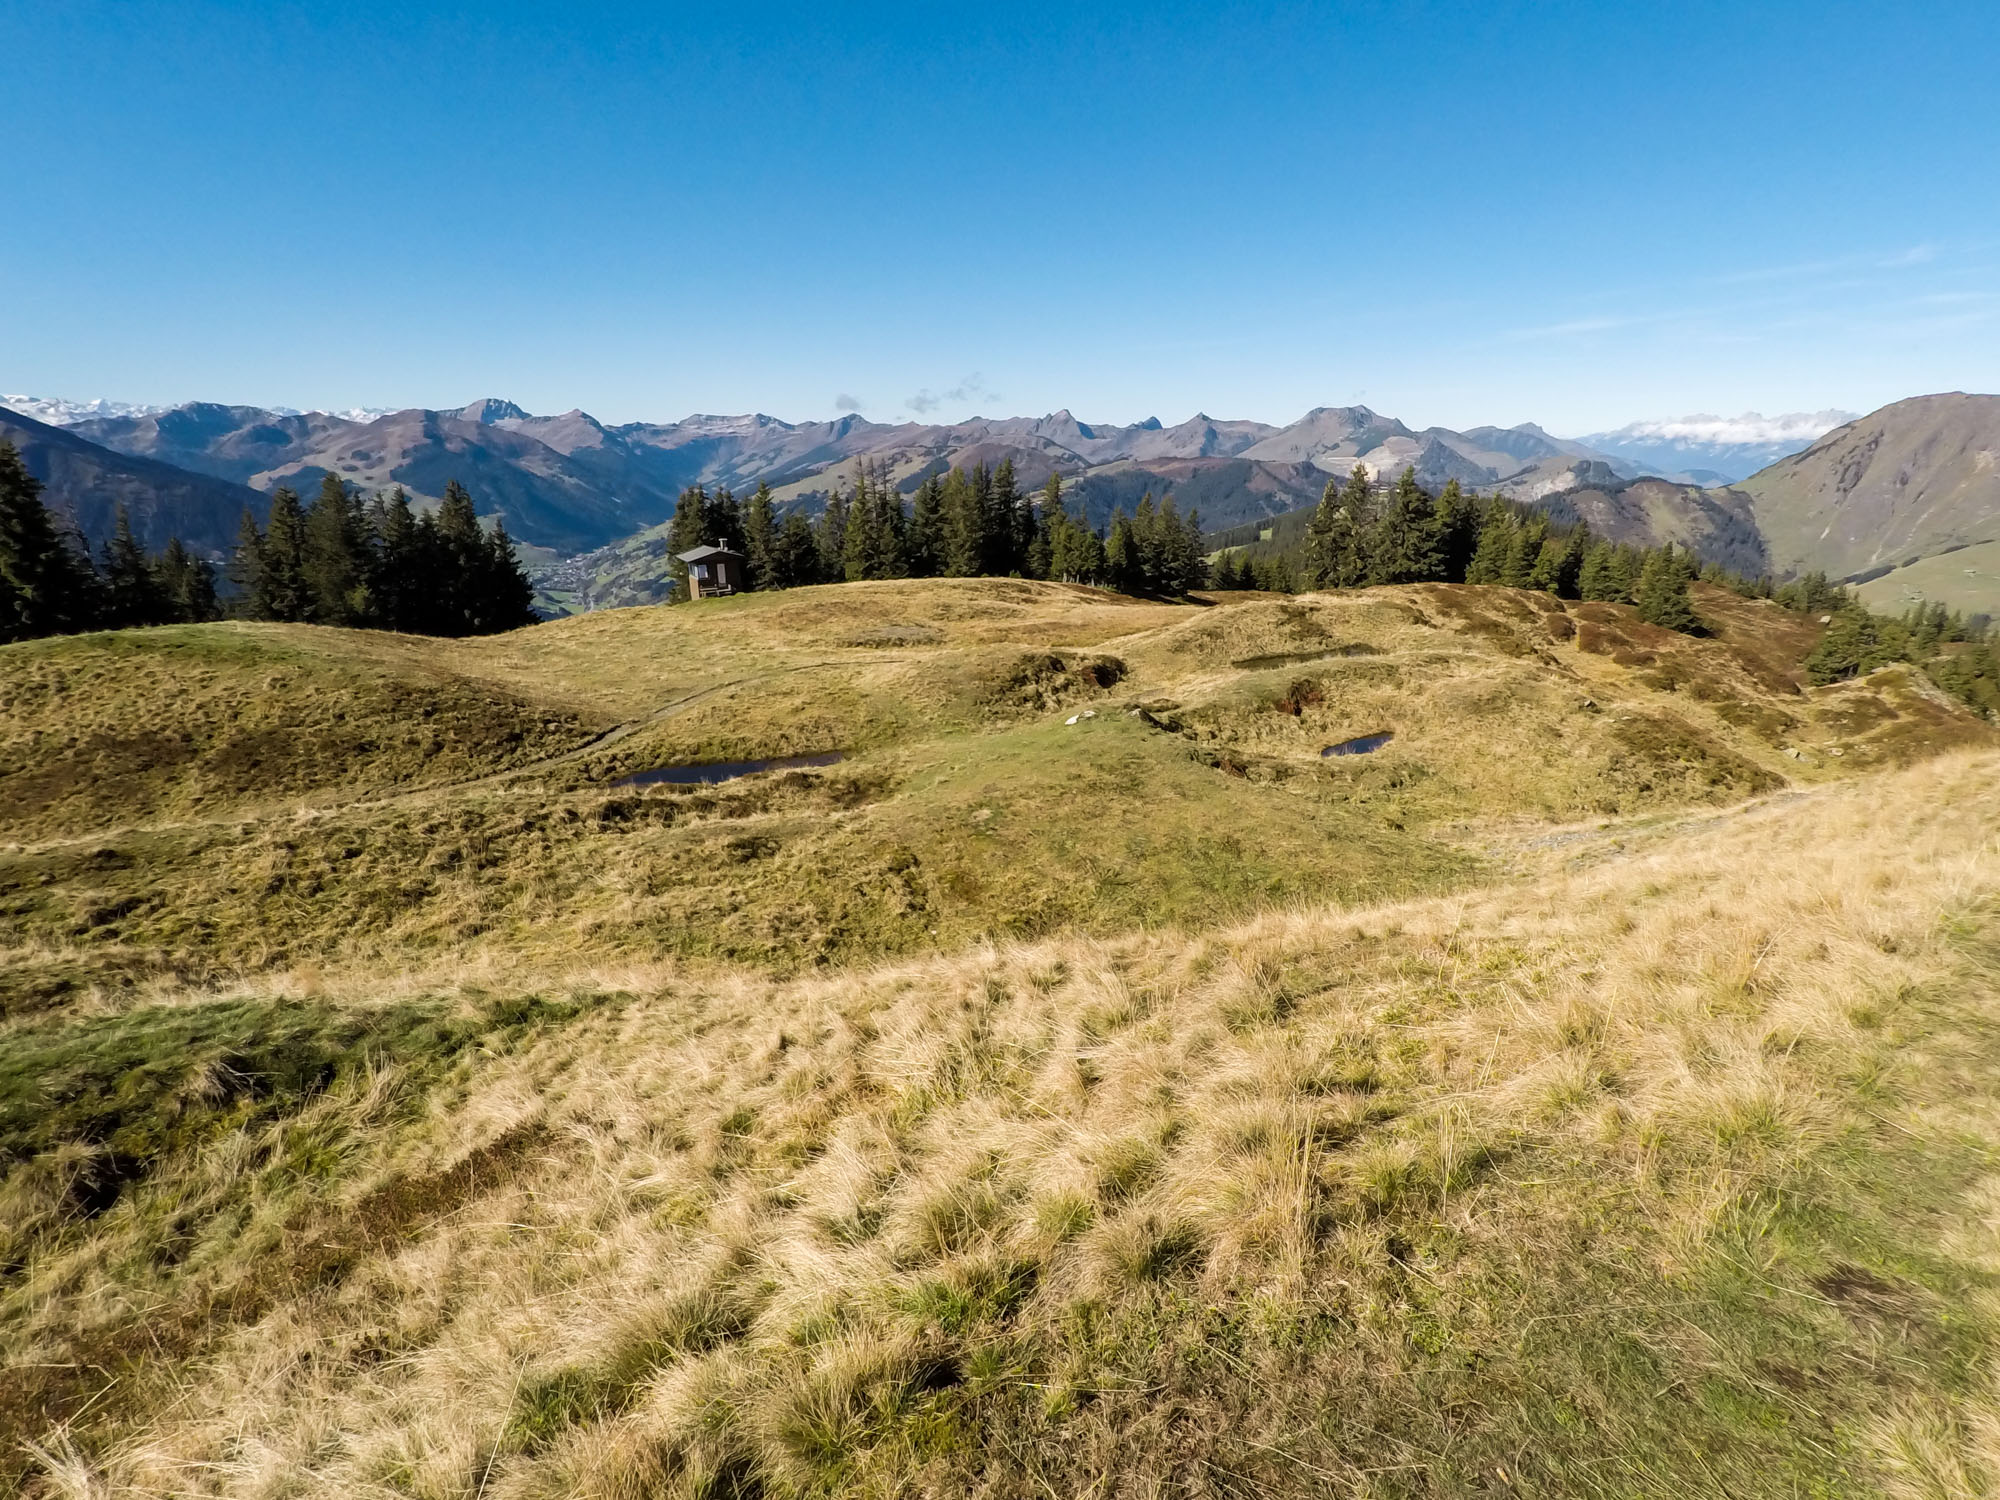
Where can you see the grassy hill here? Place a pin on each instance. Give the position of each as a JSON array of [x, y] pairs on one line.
[[1901, 484], [1965, 579], [1587, 1091]]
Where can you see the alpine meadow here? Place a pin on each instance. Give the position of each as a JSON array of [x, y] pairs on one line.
[[1190, 752]]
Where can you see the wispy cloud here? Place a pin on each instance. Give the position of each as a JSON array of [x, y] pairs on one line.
[[972, 388], [844, 402]]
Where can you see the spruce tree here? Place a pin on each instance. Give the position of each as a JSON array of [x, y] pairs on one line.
[[1599, 577], [1496, 541], [186, 584], [334, 563], [926, 535], [964, 549], [1122, 568], [463, 554], [1323, 534], [1010, 532], [1457, 531], [45, 588], [397, 586], [1663, 592], [832, 537], [506, 597], [686, 531], [249, 574], [1405, 541], [1522, 551], [286, 591], [795, 558], [1042, 521], [760, 539], [131, 594]]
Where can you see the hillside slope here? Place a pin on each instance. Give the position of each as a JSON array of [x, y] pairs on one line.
[[1903, 483], [1657, 1163], [204, 801], [86, 483]]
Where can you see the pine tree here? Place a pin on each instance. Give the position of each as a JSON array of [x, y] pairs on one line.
[[462, 549], [131, 595], [332, 558], [45, 588], [283, 559], [1323, 538], [1042, 522], [1009, 533], [1457, 531], [964, 551], [396, 584], [1405, 542], [1599, 576], [186, 584], [796, 554], [506, 597], [760, 539], [832, 537], [1496, 541], [926, 536], [1663, 592]]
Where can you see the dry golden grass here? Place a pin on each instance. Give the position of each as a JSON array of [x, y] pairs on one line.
[[1667, 1172], [196, 803]]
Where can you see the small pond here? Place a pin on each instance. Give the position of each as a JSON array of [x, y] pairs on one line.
[[726, 770], [1362, 745]]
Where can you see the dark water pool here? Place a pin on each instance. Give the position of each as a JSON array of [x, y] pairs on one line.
[[726, 770], [1362, 745]]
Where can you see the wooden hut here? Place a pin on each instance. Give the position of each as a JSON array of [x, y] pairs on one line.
[[712, 571]]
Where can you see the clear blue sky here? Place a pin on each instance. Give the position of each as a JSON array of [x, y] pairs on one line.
[[1573, 214]]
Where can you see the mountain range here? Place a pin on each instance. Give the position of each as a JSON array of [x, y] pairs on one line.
[[569, 483], [1874, 496]]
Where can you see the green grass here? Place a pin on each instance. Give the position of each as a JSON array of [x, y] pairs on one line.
[[1967, 580]]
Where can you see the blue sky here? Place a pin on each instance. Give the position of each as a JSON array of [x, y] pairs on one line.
[[1572, 214]]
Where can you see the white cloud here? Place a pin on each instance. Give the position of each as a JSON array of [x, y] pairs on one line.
[[1751, 427]]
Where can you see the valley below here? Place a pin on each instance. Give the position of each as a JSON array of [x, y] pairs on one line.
[[1077, 1081]]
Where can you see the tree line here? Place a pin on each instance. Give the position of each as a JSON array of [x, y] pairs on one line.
[[337, 561], [960, 524], [1359, 535], [51, 583], [379, 565]]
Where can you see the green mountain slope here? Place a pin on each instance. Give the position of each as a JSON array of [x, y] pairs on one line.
[[1902, 483]]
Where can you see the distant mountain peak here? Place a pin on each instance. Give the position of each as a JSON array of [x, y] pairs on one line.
[[492, 409], [54, 411]]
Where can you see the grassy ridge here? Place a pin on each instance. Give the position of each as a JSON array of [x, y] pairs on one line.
[[969, 805], [1588, 1092]]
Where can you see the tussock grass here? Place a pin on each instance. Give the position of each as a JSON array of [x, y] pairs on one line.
[[1666, 1171]]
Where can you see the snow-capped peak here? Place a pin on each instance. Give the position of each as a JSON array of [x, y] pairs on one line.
[[57, 412]]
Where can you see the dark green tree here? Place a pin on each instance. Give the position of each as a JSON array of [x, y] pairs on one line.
[[927, 529], [1663, 592], [45, 587], [186, 584], [130, 593], [285, 591], [1495, 545], [1404, 541], [760, 539], [965, 543], [335, 558]]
